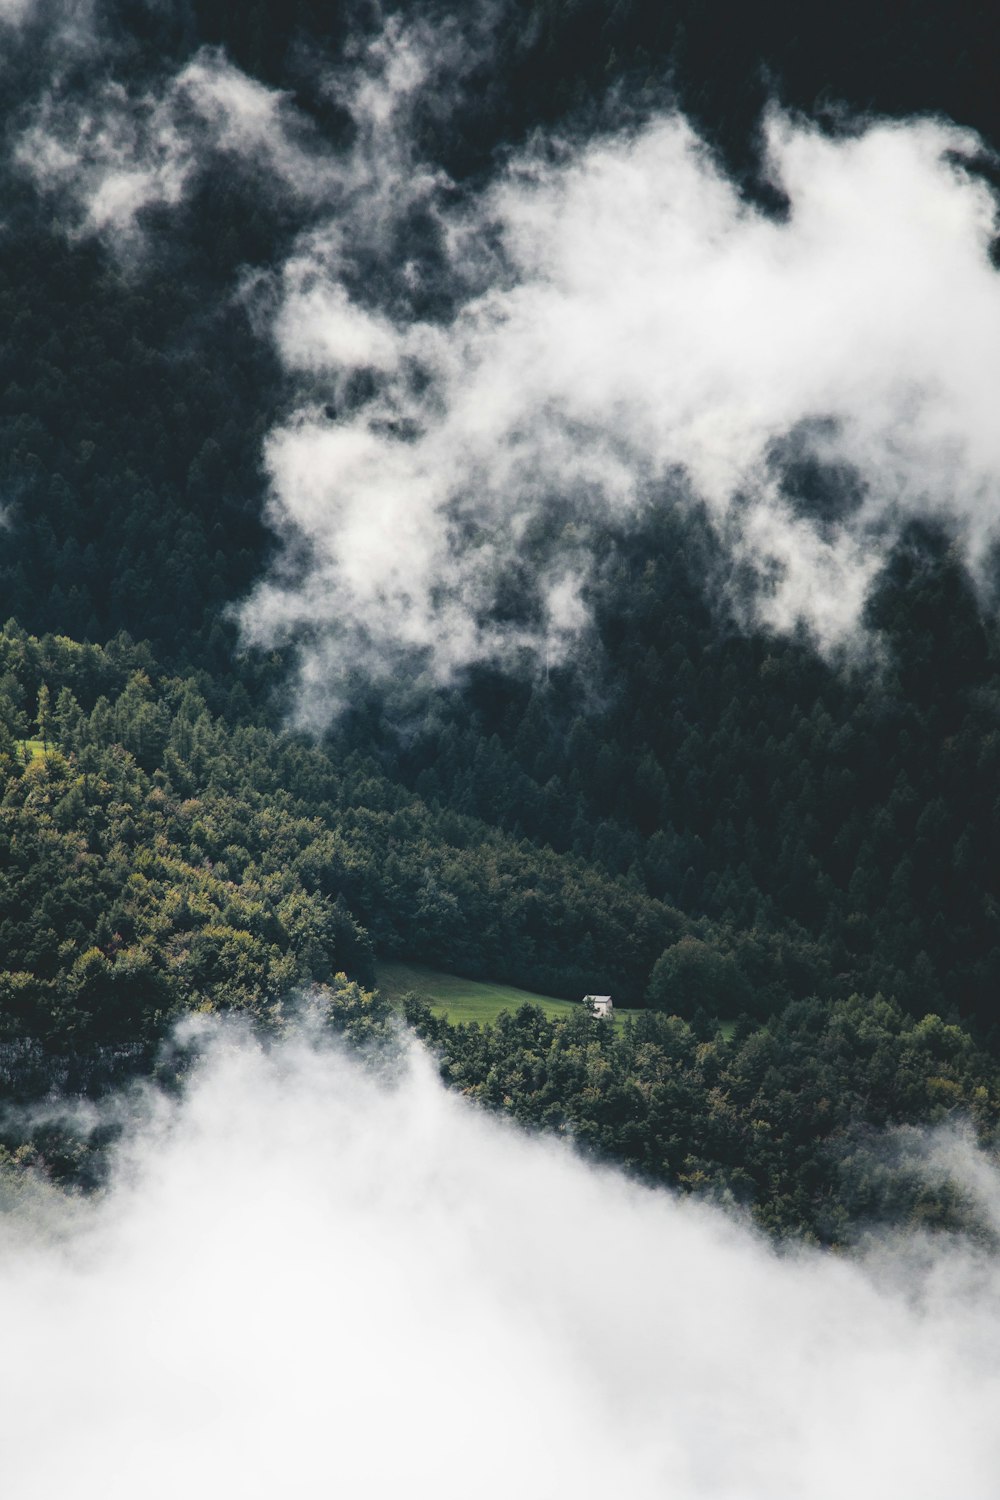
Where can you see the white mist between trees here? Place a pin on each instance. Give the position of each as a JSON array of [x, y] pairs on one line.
[[305, 1281], [642, 336], [624, 329], [635, 333]]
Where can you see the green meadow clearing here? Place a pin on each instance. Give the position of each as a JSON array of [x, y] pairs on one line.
[[474, 999], [33, 749], [462, 999]]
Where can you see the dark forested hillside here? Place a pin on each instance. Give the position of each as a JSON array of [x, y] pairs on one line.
[[808, 1120], [713, 816], [131, 429], [175, 859], [843, 816]]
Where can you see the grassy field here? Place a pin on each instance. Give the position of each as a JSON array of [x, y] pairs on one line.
[[461, 999], [27, 750], [32, 749], [475, 999]]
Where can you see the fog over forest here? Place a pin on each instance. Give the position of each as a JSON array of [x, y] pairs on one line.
[[509, 490], [604, 324], [306, 1277]]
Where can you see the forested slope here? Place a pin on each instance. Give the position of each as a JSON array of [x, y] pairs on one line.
[[714, 819], [849, 808], [159, 858], [815, 1122]]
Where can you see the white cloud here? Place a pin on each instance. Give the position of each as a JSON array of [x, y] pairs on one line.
[[247, 120], [63, 33], [623, 324], [641, 319], [305, 1282], [112, 159], [15, 12], [319, 328], [109, 154]]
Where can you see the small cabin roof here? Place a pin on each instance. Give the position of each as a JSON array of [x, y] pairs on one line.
[[606, 998]]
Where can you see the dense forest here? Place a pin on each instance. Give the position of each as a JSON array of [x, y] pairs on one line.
[[783, 856]]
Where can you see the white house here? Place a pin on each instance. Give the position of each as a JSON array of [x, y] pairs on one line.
[[602, 1005]]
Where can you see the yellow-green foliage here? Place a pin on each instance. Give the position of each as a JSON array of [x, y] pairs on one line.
[[210, 864], [122, 903]]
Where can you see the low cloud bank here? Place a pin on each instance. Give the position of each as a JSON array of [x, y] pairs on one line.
[[305, 1281]]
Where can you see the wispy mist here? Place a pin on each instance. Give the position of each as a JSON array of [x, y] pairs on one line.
[[305, 1281], [487, 376], [640, 321], [13, 12], [111, 154]]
